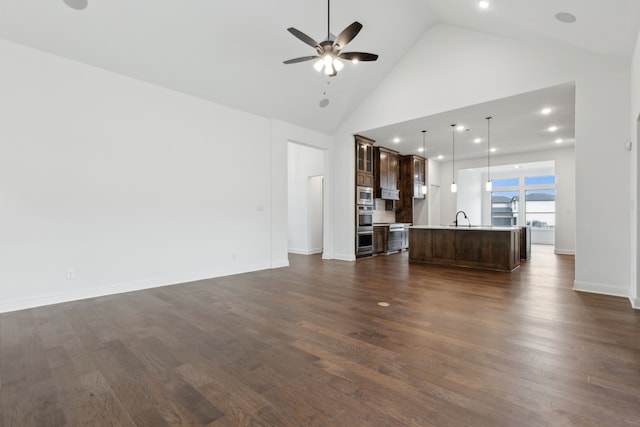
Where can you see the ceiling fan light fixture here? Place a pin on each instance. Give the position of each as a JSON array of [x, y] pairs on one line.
[[330, 49], [319, 64]]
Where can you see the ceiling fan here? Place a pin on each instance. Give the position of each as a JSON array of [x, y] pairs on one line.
[[329, 50]]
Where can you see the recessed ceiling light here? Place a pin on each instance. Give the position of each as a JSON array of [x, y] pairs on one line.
[[565, 17], [493, 150], [421, 149], [517, 166], [460, 128], [477, 140], [559, 141], [396, 140], [77, 4], [483, 4], [440, 157], [546, 111], [553, 128]]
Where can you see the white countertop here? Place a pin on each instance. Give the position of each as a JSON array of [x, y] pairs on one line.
[[464, 227]]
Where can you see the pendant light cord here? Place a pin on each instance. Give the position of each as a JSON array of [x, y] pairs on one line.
[[453, 164], [489, 148]]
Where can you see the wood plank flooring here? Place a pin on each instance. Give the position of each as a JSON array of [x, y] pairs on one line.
[[309, 346]]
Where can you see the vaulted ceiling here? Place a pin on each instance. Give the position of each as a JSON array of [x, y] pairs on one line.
[[231, 51]]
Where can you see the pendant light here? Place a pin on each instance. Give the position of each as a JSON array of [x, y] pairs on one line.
[[454, 187], [424, 154], [488, 186]]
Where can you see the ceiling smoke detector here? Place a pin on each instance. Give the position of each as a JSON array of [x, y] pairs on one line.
[[77, 4]]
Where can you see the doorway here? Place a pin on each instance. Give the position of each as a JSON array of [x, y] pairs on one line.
[[305, 199]]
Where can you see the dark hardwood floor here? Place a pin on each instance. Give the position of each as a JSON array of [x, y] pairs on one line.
[[308, 345]]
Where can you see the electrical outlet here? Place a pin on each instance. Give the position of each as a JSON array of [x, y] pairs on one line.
[[71, 274]]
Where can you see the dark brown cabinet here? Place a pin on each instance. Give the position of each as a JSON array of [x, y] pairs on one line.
[[390, 238], [364, 161], [412, 176], [412, 179], [485, 247], [380, 239], [386, 177]]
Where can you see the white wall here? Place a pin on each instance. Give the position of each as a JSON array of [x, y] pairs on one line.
[[434, 77], [434, 206], [315, 187], [304, 162], [469, 196], [635, 188], [129, 185]]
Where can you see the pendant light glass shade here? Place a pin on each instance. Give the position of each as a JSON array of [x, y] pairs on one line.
[[488, 186], [424, 153], [454, 187]]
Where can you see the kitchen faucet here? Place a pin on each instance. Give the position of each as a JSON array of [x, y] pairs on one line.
[[465, 217]]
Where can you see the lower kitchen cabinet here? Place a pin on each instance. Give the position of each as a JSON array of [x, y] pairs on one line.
[[380, 239], [389, 238]]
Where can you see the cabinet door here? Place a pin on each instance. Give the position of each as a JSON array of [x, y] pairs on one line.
[[418, 170], [368, 159], [392, 177], [384, 169], [362, 154], [379, 240]]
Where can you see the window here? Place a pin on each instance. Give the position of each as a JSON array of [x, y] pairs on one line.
[[540, 207], [507, 182], [540, 180], [504, 208]]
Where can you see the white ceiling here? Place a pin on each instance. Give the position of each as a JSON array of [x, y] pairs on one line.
[[231, 51], [517, 125]]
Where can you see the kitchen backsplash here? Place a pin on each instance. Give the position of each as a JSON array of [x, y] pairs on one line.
[[381, 215]]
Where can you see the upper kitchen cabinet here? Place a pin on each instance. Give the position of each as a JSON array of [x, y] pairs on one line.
[[412, 176], [387, 168], [364, 161]]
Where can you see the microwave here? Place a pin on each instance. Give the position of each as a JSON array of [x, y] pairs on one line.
[[364, 196]]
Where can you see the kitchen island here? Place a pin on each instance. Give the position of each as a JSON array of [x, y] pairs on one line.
[[489, 248]]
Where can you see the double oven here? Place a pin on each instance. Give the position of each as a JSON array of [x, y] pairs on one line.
[[364, 221]]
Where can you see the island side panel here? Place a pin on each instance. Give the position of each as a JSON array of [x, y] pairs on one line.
[[485, 249]]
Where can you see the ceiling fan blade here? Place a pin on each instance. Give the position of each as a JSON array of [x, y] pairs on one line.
[[302, 59], [303, 37], [358, 56], [347, 35]]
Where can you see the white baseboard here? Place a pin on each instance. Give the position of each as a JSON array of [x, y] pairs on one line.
[[564, 252], [280, 263], [635, 303], [119, 288], [600, 288], [343, 257], [305, 251]]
